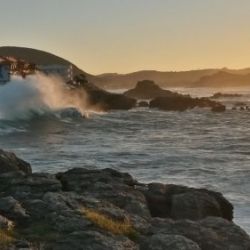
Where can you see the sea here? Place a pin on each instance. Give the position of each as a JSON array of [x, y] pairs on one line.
[[197, 148]]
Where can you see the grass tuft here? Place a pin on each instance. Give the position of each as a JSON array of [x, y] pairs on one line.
[[5, 238], [114, 226]]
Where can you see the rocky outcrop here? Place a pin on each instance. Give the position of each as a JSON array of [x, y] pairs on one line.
[[96, 98], [147, 89], [105, 209], [218, 108], [185, 102], [168, 100]]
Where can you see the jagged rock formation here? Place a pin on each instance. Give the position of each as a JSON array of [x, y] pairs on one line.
[[148, 90], [168, 100]]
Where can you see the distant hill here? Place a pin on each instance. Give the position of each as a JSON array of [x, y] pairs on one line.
[[223, 79], [37, 57], [193, 78], [163, 79]]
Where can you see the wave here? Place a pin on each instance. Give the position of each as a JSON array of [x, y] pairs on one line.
[[38, 95]]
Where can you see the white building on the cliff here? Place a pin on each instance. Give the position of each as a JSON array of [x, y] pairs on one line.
[[4, 72], [64, 71]]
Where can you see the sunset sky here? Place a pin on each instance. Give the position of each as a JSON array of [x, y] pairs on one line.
[[129, 35]]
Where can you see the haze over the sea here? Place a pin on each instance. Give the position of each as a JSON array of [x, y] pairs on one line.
[[125, 36]]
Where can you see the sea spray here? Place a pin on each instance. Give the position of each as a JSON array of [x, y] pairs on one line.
[[20, 98]]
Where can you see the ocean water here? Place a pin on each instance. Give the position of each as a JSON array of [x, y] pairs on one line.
[[196, 148]]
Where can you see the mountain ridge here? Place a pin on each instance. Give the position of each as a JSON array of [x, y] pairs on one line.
[[165, 79]]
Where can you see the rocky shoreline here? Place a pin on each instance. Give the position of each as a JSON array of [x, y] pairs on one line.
[[108, 210]]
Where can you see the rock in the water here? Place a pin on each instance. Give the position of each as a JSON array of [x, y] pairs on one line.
[[95, 98], [219, 108], [9, 162], [143, 104], [148, 90], [183, 102]]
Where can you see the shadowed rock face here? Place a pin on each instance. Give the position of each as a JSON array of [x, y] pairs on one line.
[[9, 162], [184, 102], [180, 202], [148, 90], [47, 212], [168, 100], [97, 98]]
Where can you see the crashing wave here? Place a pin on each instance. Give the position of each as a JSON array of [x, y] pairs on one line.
[[37, 95]]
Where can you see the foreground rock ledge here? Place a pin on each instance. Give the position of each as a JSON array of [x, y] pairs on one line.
[[109, 210]]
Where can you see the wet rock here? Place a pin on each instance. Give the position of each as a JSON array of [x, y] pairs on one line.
[[218, 108], [9, 162], [179, 103], [143, 104]]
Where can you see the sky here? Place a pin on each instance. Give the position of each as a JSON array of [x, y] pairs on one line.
[[122, 36]]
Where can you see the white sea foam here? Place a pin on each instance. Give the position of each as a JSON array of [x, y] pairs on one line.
[[20, 98]]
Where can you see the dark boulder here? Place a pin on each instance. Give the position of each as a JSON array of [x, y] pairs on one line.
[[174, 103], [9, 163], [182, 103], [218, 108], [179, 202]]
